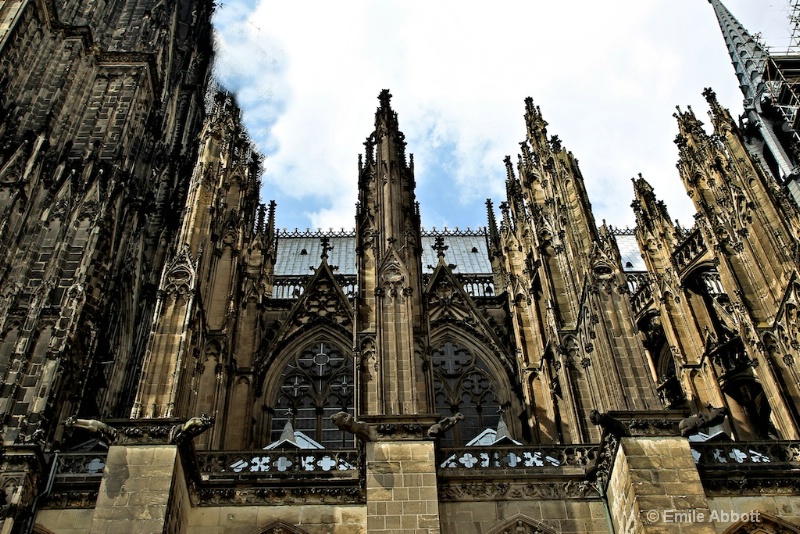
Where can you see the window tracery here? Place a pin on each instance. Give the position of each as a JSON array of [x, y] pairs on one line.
[[462, 383], [315, 384]]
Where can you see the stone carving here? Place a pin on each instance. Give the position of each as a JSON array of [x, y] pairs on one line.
[[444, 425], [92, 426], [392, 279], [653, 427], [609, 424], [72, 499], [452, 491], [279, 527], [191, 428], [400, 430], [599, 470], [520, 524], [180, 276], [270, 495], [150, 433], [695, 423], [323, 302], [347, 423]]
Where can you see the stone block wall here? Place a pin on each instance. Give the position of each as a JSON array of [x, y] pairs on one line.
[[75, 521], [138, 483], [654, 484], [402, 494], [559, 516], [312, 518]]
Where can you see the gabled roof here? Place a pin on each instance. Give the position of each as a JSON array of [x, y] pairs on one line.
[[298, 251], [294, 439]]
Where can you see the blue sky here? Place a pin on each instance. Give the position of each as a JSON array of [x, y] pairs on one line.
[[607, 76]]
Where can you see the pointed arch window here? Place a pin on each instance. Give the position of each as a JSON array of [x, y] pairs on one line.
[[463, 383], [315, 384]]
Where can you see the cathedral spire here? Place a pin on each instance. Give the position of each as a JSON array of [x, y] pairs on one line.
[[651, 213], [494, 235], [387, 131], [750, 60], [389, 244], [747, 55], [394, 200]]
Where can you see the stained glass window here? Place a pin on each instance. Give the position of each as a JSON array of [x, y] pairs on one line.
[[462, 383], [316, 384]]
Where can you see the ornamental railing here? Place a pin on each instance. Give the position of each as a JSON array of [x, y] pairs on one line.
[[291, 287], [687, 252], [278, 465], [641, 291], [746, 453], [516, 459], [84, 468], [477, 285]]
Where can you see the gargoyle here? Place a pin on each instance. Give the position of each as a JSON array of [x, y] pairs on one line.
[[191, 428], [92, 426], [438, 429], [609, 424], [347, 423], [694, 423]]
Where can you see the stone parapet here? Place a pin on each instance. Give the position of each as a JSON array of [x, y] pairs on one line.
[[401, 487], [139, 483], [654, 483]]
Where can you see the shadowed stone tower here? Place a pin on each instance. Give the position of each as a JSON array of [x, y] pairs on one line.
[[573, 322], [392, 335], [171, 361], [100, 103], [392, 331]]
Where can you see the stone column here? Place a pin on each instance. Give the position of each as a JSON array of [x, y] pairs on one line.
[[655, 488], [401, 487], [138, 489]]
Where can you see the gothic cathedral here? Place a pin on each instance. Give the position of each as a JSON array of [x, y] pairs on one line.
[[172, 362]]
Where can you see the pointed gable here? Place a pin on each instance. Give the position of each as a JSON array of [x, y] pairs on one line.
[[322, 303], [450, 305]]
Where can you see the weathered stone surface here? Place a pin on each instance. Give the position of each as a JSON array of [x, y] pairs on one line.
[[141, 507], [142, 284], [640, 502], [401, 488]]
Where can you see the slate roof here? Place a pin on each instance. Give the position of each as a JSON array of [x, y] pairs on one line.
[[298, 252], [629, 252]]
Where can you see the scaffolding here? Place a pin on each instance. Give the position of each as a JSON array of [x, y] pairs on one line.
[[794, 19], [782, 78]]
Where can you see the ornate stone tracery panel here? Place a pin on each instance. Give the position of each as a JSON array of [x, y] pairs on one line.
[[317, 382], [462, 382], [520, 524]]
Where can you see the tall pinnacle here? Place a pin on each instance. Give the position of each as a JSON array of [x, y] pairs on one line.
[[747, 55], [749, 60]]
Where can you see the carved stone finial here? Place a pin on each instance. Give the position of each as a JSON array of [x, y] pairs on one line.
[[439, 246], [326, 247], [385, 97]]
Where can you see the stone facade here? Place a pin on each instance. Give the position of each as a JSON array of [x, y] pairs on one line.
[[172, 362]]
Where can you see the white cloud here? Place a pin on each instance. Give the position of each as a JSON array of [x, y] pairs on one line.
[[607, 76]]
